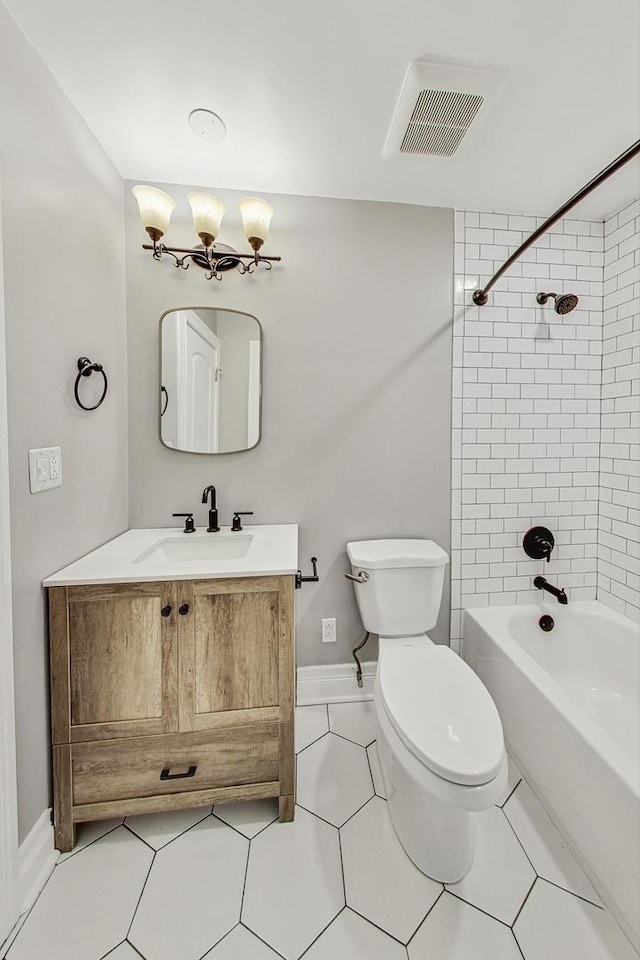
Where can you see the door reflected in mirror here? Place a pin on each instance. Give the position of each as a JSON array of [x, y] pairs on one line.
[[210, 380]]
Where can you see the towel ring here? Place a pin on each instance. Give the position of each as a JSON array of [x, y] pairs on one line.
[[164, 396], [85, 369]]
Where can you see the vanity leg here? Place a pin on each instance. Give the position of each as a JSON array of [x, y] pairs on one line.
[[287, 764], [64, 837], [64, 827], [286, 807]]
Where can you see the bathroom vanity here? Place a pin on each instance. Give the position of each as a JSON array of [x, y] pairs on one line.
[[172, 674]]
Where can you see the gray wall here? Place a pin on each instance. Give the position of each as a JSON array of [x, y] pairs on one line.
[[356, 390], [62, 226]]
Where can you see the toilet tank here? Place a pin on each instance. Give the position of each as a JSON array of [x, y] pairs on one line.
[[404, 587]]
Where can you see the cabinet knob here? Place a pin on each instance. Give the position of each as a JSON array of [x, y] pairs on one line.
[[183, 610], [166, 611]]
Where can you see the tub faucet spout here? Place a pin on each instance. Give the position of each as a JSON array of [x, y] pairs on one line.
[[542, 584]]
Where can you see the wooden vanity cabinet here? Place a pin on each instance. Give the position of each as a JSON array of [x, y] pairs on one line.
[[170, 694]]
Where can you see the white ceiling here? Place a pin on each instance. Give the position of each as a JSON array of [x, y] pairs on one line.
[[308, 90]]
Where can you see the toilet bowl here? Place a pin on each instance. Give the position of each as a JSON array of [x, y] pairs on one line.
[[440, 742]]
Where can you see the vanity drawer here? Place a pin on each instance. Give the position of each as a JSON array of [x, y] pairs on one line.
[[174, 763]]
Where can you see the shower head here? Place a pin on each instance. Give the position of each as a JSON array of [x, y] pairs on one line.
[[564, 302]]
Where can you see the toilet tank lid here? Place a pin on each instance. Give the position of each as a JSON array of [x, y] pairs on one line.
[[383, 554]]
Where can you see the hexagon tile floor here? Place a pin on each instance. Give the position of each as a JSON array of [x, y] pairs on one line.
[[234, 884]]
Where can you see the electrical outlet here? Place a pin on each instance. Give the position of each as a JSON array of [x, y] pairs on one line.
[[42, 470], [45, 468], [329, 630]]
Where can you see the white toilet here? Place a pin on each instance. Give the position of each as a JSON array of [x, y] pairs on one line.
[[440, 740]]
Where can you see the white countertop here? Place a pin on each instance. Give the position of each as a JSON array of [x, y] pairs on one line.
[[272, 551]]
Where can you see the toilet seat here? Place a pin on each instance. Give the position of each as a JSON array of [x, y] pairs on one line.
[[441, 711]]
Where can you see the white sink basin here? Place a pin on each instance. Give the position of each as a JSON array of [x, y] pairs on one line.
[[216, 546]]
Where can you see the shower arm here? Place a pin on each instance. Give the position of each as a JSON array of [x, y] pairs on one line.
[[481, 296]]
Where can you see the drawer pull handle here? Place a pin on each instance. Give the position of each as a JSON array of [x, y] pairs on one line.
[[183, 610], [166, 611], [166, 775]]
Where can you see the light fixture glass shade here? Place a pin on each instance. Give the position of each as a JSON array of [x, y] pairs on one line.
[[207, 213], [256, 217], [155, 208]]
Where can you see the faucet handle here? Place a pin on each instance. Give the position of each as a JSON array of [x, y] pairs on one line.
[[189, 525], [236, 523]]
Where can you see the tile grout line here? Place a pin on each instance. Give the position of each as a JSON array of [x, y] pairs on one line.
[[429, 911], [523, 904], [218, 942], [344, 881], [502, 805], [135, 949], [244, 884], [317, 740], [513, 829], [258, 937], [144, 885], [361, 807], [481, 909], [392, 936], [373, 782], [74, 853], [540, 876], [105, 956], [518, 945], [318, 817], [237, 830], [324, 929], [572, 893], [142, 840], [341, 736]]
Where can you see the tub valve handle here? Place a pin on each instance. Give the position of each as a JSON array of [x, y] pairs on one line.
[[538, 543]]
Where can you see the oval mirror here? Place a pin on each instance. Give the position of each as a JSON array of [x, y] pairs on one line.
[[210, 380]]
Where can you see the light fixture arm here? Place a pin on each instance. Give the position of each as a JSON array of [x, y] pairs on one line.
[[208, 258]]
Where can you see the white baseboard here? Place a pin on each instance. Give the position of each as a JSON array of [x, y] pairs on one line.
[[334, 683], [37, 857]]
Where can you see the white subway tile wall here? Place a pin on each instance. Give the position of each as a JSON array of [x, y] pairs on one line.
[[528, 411], [619, 514]]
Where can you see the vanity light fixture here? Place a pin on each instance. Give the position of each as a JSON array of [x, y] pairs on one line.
[[156, 207]]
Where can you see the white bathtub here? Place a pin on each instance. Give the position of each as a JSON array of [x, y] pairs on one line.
[[569, 704]]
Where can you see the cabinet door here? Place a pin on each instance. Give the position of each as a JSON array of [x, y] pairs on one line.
[[231, 642], [113, 661]]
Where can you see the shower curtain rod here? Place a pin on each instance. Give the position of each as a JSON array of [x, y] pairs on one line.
[[480, 297]]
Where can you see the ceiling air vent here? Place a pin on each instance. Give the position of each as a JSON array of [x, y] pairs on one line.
[[438, 106], [439, 121]]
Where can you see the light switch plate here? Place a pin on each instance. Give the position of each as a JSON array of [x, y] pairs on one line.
[[45, 468]]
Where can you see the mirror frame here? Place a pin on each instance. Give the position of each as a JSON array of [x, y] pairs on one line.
[[202, 453]]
